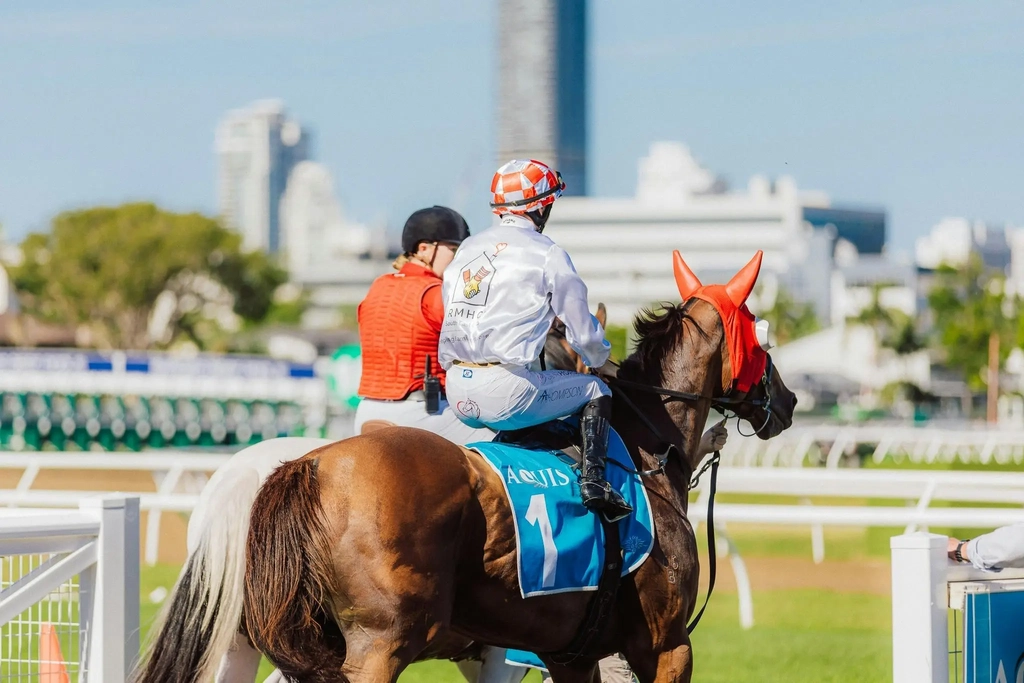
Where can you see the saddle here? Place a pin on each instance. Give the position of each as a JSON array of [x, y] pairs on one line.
[[555, 435]]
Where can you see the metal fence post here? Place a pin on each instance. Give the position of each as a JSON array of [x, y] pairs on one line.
[[919, 607], [114, 633]]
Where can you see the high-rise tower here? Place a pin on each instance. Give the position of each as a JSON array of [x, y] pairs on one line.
[[542, 85], [257, 148]]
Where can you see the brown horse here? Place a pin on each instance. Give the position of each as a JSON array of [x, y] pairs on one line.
[[370, 553]]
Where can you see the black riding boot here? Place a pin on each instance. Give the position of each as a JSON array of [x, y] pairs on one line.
[[597, 494]]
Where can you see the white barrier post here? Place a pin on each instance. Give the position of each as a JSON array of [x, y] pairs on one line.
[[114, 636], [920, 643]]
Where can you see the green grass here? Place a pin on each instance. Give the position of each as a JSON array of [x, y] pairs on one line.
[[799, 635]]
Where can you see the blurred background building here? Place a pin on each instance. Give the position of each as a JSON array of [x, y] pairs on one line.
[[622, 246], [542, 85], [257, 148], [282, 202]]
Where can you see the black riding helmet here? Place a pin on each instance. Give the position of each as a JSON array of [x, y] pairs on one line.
[[436, 224]]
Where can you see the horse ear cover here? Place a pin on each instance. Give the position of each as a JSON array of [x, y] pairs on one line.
[[686, 281], [742, 283], [747, 355]]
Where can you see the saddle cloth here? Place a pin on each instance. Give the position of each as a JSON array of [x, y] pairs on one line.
[[560, 543], [524, 659]]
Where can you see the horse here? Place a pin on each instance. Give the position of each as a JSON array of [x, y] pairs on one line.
[[197, 635], [370, 553]]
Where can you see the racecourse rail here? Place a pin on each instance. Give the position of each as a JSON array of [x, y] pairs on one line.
[[830, 443], [180, 476]]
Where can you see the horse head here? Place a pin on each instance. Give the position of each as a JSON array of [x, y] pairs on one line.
[[750, 385]]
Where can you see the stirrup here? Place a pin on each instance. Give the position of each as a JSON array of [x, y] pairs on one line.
[[618, 518], [606, 502]]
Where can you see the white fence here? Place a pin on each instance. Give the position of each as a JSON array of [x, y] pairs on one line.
[[917, 489], [925, 587], [69, 605], [830, 443], [178, 476]]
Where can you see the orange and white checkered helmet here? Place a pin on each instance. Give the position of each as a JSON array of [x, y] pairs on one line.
[[522, 186]]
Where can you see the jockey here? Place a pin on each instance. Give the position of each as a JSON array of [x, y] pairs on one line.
[[502, 291], [399, 323]]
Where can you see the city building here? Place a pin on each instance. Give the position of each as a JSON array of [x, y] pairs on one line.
[[622, 246], [952, 241], [257, 148], [542, 46], [314, 231]]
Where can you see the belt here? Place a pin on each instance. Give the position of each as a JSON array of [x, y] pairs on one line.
[[417, 395], [474, 365]]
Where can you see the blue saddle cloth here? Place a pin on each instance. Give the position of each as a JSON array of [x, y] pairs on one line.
[[524, 659], [560, 543]]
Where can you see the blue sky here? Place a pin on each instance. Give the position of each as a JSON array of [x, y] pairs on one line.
[[914, 106]]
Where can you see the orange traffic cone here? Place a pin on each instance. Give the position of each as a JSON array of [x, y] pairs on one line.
[[52, 668]]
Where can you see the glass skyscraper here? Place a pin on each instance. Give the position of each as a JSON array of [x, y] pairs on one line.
[[542, 85], [257, 148]]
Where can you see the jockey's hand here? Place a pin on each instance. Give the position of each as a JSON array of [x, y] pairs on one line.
[[714, 439]]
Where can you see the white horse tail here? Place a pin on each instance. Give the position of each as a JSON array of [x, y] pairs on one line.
[[198, 621]]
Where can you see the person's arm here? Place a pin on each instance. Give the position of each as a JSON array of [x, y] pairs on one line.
[[995, 550], [432, 306], [569, 302]]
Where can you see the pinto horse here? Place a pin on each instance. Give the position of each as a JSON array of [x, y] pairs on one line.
[[367, 554]]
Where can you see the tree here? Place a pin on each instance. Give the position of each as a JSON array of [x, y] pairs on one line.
[[790, 319], [135, 276], [894, 329], [971, 306]]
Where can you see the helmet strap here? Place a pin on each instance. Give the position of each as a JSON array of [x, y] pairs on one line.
[[540, 217]]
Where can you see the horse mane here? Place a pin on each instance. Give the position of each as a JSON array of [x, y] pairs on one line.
[[659, 330]]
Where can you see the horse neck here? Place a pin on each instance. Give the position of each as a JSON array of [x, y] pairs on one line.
[[680, 422]]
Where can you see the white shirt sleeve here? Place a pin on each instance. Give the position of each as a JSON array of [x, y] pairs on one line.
[[998, 549], [569, 302]]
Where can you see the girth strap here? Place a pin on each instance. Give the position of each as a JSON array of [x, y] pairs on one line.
[[600, 607]]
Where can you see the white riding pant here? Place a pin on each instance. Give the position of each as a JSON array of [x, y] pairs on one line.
[[513, 397], [412, 413]]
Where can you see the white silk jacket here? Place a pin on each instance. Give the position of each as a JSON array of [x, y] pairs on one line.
[[503, 290]]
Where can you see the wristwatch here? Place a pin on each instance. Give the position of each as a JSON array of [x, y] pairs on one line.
[[958, 554]]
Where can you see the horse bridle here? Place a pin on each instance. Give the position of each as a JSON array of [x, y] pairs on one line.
[[720, 404]]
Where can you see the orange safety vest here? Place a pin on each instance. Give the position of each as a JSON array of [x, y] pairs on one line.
[[395, 337]]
